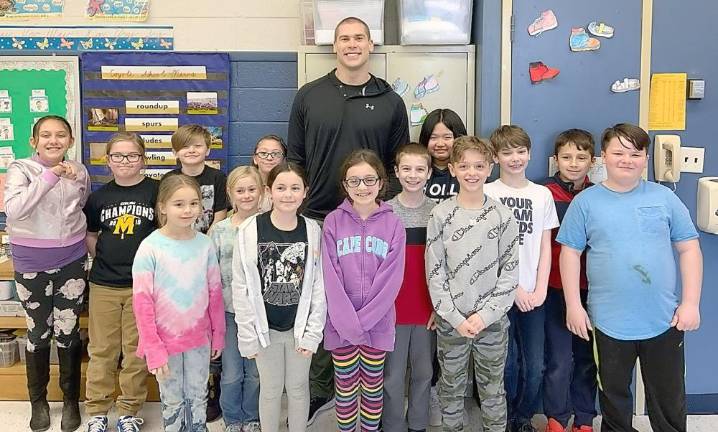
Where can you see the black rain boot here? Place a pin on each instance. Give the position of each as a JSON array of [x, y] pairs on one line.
[[37, 366], [70, 362]]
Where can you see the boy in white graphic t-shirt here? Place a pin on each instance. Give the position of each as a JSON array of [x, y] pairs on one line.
[[535, 212]]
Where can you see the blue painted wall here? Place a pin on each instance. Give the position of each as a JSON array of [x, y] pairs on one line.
[[580, 96], [583, 101], [671, 53]]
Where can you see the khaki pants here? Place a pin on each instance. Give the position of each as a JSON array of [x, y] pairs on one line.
[[113, 331]]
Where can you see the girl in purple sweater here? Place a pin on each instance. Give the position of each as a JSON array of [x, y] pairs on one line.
[[363, 262]]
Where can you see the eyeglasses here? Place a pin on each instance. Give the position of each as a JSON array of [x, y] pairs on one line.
[[353, 182], [119, 157], [269, 155]]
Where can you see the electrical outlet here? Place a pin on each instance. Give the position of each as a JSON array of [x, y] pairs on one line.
[[692, 159]]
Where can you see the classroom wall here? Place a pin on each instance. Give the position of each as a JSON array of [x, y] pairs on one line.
[[671, 53], [264, 84], [216, 25]]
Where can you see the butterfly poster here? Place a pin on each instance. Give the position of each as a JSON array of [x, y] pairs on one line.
[[118, 10]]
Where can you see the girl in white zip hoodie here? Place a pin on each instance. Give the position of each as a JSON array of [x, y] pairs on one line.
[[278, 297]]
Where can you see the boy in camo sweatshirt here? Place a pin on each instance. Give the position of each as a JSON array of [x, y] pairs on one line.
[[472, 270]]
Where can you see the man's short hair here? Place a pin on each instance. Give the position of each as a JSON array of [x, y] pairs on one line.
[[351, 19]]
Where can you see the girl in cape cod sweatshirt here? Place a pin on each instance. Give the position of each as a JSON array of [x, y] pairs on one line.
[[363, 260]]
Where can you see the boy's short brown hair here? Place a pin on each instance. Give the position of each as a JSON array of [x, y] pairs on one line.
[[583, 140], [413, 148], [184, 134], [468, 142], [509, 136], [626, 132]]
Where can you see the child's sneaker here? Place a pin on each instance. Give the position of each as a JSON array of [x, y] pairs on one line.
[[546, 21], [234, 427], [554, 426], [584, 428], [600, 29], [129, 424], [538, 72], [580, 41], [97, 424], [252, 427]]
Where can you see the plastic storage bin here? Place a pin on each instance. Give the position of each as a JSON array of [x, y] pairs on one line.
[[327, 13], [8, 350], [435, 22]]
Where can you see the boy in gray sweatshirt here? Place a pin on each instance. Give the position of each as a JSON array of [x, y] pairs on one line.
[[472, 271]]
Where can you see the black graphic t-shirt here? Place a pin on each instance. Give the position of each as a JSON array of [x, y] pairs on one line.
[[123, 216], [441, 185], [281, 259], [213, 184]]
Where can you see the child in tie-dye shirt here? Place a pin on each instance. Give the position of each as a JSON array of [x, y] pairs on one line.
[[177, 296]]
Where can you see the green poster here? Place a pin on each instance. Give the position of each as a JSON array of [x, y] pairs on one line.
[[31, 94]]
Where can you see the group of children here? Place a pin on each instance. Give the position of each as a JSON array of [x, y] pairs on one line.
[[387, 285]]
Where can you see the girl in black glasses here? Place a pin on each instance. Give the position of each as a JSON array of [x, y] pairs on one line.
[[119, 216], [269, 151]]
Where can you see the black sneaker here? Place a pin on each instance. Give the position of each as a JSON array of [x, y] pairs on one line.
[[214, 412], [317, 405]]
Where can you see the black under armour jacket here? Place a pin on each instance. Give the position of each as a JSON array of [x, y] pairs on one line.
[[329, 120]]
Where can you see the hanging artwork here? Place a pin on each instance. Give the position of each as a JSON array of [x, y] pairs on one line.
[[30, 9], [118, 10]]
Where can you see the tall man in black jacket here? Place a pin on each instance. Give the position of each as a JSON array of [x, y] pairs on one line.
[[345, 110]]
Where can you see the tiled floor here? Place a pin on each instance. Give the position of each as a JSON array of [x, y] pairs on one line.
[[15, 416]]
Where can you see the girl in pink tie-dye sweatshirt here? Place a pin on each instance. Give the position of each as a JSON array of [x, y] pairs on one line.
[[177, 300]]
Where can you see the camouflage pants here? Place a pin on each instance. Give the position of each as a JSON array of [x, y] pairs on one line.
[[489, 350]]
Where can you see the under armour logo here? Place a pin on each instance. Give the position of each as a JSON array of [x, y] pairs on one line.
[[371, 107]]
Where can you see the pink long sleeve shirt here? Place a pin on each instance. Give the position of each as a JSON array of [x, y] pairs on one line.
[[177, 297]]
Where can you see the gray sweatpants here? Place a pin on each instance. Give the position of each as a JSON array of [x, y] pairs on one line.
[[280, 366], [414, 346], [489, 349]]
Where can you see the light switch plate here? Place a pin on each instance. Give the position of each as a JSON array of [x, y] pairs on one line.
[[692, 159]]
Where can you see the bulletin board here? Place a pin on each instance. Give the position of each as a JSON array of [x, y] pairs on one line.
[[30, 88], [152, 94], [580, 96]]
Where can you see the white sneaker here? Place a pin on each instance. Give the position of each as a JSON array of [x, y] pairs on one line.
[[434, 409]]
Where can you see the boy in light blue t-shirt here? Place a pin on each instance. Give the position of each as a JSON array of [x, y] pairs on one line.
[[629, 227]]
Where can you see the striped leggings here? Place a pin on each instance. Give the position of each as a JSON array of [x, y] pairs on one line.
[[359, 383]]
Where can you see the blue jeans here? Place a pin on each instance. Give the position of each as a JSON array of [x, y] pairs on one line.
[[239, 398], [524, 365], [570, 379], [183, 392]]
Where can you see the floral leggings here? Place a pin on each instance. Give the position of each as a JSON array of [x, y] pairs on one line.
[[52, 300]]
